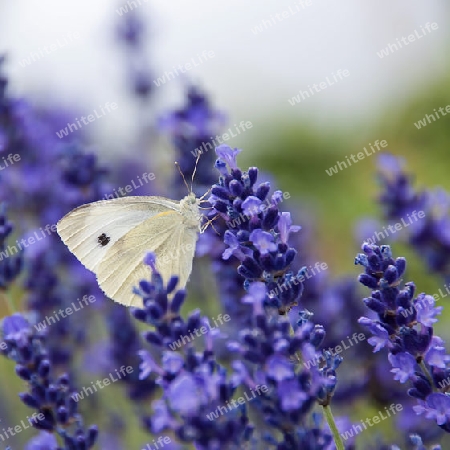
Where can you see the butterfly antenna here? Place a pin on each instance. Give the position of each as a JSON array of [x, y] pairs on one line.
[[195, 170], [205, 194], [182, 175]]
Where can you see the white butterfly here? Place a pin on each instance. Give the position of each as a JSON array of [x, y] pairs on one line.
[[111, 238]]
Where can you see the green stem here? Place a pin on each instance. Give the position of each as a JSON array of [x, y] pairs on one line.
[[9, 303], [331, 423], [427, 373]]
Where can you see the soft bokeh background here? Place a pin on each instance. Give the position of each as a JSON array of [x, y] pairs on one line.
[[251, 77]]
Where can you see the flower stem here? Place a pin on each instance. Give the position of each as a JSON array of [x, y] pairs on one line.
[[9, 302], [331, 423], [427, 373]]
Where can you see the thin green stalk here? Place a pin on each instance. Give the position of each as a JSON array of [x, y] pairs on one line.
[[427, 373], [331, 423], [9, 303]]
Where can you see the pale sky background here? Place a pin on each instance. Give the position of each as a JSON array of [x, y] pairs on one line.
[[251, 77]]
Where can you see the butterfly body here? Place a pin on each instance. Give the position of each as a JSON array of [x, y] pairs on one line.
[[111, 238]]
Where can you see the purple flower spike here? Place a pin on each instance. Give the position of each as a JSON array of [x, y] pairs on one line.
[[424, 212], [257, 233], [405, 327]]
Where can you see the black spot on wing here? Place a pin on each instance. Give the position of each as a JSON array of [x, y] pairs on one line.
[[103, 239]]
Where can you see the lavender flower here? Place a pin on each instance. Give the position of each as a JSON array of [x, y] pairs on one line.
[[171, 330], [428, 233], [258, 236], [58, 178], [52, 397], [194, 386], [197, 391], [264, 355], [191, 130], [10, 265], [123, 348], [258, 240], [131, 32], [405, 328]]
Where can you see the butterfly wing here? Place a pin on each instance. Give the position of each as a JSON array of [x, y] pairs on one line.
[[164, 234], [83, 228]]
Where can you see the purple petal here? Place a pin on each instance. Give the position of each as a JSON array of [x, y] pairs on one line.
[[279, 368], [404, 365], [380, 338], [43, 441], [161, 418], [277, 197], [150, 260], [390, 163], [228, 155], [426, 312], [285, 226], [233, 246], [148, 365], [14, 325], [251, 206], [184, 395], [263, 241], [436, 406], [436, 355], [172, 362], [256, 295], [291, 394]]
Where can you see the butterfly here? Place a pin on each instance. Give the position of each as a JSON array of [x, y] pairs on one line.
[[111, 238]]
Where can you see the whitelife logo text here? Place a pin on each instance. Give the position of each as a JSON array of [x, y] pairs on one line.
[[71, 127]]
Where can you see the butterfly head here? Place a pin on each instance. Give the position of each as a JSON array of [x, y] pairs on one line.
[[192, 199], [189, 208]]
